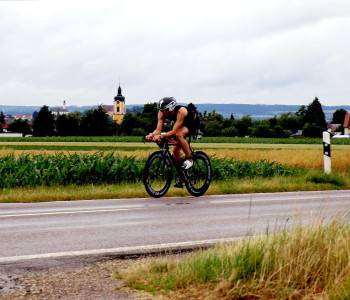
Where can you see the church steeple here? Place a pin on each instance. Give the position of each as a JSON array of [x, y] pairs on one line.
[[119, 97], [119, 107]]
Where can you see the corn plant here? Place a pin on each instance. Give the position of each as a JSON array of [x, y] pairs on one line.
[[100, 168]]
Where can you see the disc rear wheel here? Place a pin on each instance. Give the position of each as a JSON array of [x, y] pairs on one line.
[[199, 175]]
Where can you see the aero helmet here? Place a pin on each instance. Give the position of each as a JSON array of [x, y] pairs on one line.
[[167, 103]]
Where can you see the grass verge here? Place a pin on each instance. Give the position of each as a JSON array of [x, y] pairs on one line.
[[232, 186], [305, 263]]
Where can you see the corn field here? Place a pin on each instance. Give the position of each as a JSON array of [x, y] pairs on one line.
[[100, 168]]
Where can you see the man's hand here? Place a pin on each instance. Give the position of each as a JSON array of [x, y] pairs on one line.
[[149, 137], [157, 138]]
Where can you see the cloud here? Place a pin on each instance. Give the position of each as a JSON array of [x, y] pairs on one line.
[[224, 51]]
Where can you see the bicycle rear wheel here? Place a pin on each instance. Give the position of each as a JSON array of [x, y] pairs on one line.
[[158, 174], [199, 175]]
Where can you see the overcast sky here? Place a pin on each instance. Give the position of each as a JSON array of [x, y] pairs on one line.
[[252, 51]]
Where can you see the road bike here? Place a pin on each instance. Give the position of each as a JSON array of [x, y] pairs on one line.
[[161, 168]]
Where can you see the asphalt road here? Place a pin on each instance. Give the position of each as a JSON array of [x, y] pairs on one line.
[[97, 227]]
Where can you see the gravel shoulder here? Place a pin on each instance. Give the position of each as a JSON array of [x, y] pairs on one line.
[[59, 279]]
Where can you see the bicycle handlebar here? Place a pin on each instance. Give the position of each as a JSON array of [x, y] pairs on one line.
[[164, 141]]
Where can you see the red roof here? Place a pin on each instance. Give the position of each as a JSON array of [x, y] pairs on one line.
[[347, 120], [108, 108]]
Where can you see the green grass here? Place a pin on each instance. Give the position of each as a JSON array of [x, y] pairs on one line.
[[305, 263], [115, 139], [137, 190], [317, 177]]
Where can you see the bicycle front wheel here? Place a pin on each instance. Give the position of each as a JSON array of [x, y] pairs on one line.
[[158, 174], [199, 175]]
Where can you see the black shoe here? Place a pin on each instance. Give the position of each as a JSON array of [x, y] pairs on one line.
[[178, 183]]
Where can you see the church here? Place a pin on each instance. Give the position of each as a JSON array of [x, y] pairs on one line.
[[118, 109]]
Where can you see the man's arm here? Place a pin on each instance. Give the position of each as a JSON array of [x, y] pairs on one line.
[[180, 118], [160, 124], [155, 135]]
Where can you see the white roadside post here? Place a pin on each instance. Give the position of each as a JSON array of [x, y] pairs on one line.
[[327, 152]]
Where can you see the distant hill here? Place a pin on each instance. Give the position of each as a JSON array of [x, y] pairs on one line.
[[261, 111], [257, 111]]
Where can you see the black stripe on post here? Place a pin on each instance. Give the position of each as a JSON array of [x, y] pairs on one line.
[[327, 149]]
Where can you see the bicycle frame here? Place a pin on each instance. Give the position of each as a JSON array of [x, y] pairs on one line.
[[164, 147]]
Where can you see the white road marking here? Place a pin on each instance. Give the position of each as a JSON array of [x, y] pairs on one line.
[[329, 197], [67, 212], [54, 209], [124, 250]]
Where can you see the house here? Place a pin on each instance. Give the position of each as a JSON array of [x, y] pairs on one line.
[[346, 124], [23, 117], [60, 110], [109, 109], [299, 133], [4, 127], [335, 128]]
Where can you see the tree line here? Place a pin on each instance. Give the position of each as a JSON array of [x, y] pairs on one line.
[[96, 122]]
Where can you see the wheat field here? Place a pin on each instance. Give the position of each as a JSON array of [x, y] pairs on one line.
[[304, 158]]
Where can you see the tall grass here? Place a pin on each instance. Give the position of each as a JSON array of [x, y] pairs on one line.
[[306, 263], [299, 158], [100, 168]]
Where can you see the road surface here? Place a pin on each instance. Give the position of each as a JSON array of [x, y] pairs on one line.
[[99, 227]]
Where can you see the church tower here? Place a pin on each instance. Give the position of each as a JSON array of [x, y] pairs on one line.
[[119, 107]]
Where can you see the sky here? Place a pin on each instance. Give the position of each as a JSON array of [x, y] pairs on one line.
[[252, 51]]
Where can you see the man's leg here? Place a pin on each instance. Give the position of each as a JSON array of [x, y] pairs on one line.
[[176, 153], [181, 137], [177, 157]]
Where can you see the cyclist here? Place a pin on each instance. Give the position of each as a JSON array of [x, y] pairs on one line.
[[169, 109]]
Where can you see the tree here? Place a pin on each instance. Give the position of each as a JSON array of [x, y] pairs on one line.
[[312, 130], [20, 126], [138, 131], [243, 125], [2, 120], [44, 123], [339, 116], [140, 123], [128, 124], [230, 131], [301, 112], [68, 124], [213, 128], [148, 118], [290, 121], [315, 115], [261, 130], [96, 122], [314, 119]]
